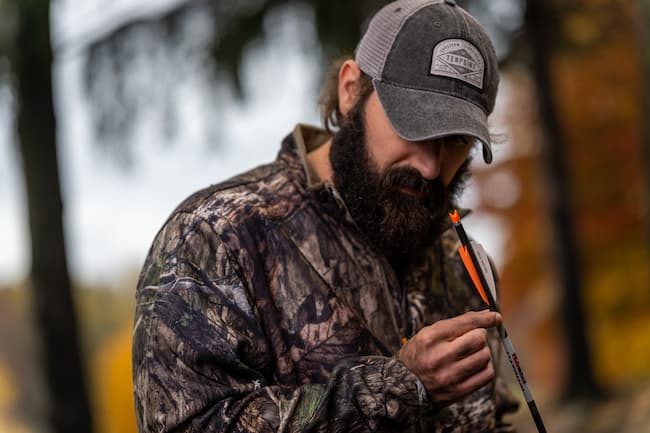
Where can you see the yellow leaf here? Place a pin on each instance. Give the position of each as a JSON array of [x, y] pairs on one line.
[[114, 387]]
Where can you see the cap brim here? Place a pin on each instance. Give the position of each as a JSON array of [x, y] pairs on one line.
[[419, 115]]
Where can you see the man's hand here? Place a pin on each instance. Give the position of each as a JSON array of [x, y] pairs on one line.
[[452, 357]]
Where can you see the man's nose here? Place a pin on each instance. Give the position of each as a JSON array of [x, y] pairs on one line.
[[427, 157]]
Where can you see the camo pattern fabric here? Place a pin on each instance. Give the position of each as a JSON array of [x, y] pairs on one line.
[[262, 308]]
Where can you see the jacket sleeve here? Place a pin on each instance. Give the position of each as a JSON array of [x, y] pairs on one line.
[[201, 361]]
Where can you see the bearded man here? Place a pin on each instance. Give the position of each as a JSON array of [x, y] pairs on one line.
[[322, 292]]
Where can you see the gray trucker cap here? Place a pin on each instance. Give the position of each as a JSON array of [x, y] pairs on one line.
[[434, 69]]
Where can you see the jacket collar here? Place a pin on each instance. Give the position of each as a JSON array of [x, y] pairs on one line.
[[297, 145], [307, 139]]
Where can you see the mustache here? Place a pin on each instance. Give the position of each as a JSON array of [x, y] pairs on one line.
[[410, 178]]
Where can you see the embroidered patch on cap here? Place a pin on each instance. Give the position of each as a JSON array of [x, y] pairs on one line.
[[458, 58]]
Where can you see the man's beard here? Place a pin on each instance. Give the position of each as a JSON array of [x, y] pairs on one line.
[[395, 222]]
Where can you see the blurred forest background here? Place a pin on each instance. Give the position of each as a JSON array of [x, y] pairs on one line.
[[564, 209]]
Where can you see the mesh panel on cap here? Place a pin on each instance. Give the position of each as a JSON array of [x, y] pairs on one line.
[[378, 40]]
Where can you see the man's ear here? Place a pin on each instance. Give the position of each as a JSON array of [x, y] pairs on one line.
[[349, 74]]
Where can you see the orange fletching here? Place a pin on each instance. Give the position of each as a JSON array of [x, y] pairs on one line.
[[469, 265], [454, 216]]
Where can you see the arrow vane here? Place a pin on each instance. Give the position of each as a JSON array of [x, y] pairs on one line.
[[478, 267]]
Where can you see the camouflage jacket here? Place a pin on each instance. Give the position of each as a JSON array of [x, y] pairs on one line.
[[261, 308]]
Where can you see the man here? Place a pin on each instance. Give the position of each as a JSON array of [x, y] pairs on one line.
[[322, 292]]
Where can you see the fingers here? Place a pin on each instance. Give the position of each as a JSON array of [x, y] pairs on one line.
[[464, 378], [473, 364], [475, 381], [452, 357], [468, 343], [457, 326], [452, 376]]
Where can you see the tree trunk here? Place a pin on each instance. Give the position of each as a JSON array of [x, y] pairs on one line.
[[68, 408], [580, 381], [644, 22]]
